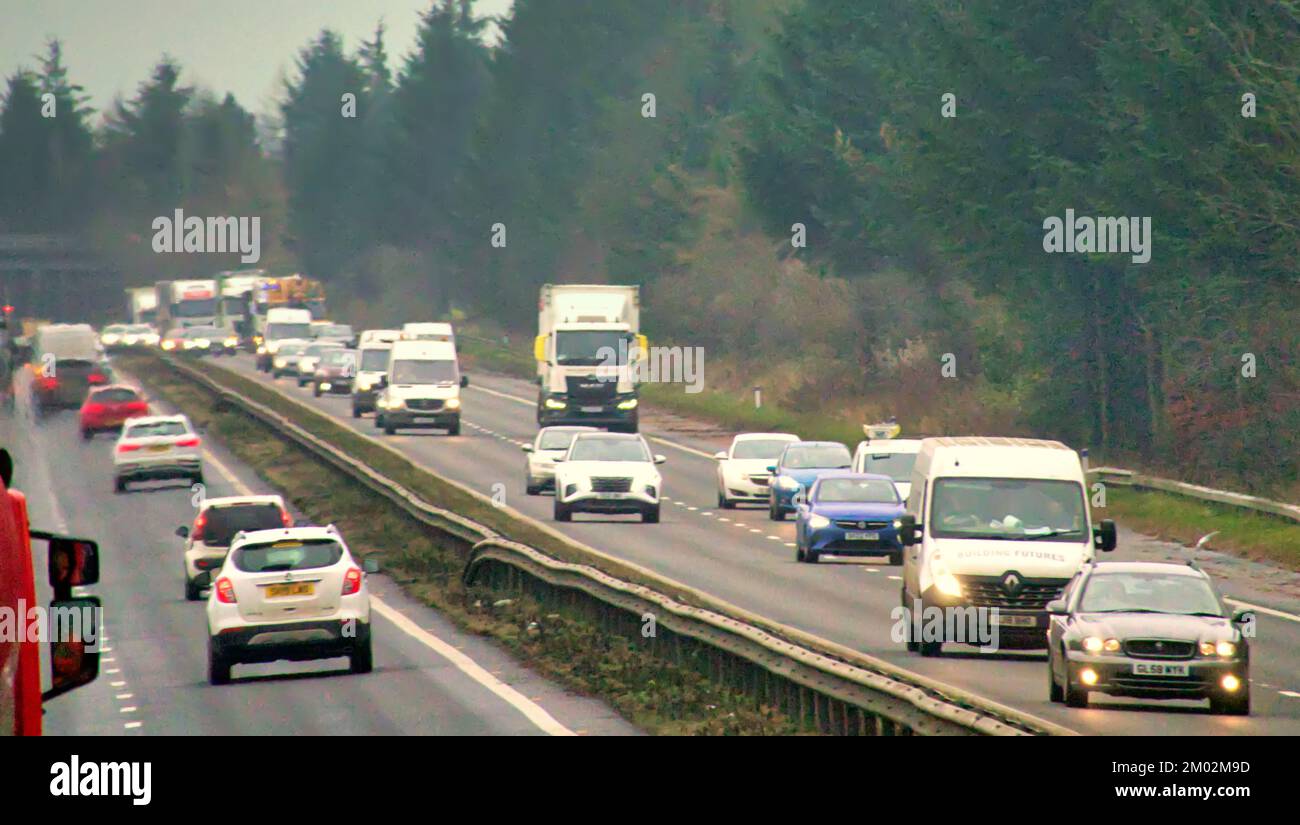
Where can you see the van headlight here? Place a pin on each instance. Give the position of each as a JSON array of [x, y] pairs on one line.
[[452, 404], [363, 386], [629, 404], [555, 404], [232, 342], [944, 581], [261, 350], [819, 522]]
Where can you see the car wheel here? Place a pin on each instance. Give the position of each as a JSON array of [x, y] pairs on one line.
[[389, 429], [379, 420], [896, 559], [197, 479], [355, 412], [562, 512], [87, 434], [773, 512], [362, 659], [532, 490], [1232, 705], [1074, 697], [799, 554], [913, 646], [454, 429], [218, 667], [1054, 692], [811, 557], [651, 515], [725, 503], [315, 390], [119, 485], [192, 591]]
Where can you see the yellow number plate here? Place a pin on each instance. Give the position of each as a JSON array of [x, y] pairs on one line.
[[275, 591], [160, 448]]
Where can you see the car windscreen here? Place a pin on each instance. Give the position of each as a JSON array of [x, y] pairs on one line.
[[556, 440], [374, 360], [139, 329], [864, 490], [288, 555], [115, 328], [222, 523], [828, 456], [277, 331], [291, 349], [335, 331], [759, 448], [897, 466], [608, 449], [156, 428], [1008, 508], [119, 395], [339, 358], [1149, 592], [423, 372]]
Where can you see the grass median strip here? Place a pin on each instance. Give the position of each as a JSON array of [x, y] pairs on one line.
[[660, 697]]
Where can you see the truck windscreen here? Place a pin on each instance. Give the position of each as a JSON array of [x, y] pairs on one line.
[[589, 348], [195, 308]]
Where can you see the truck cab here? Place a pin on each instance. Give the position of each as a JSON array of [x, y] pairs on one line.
[[421, 387], [999, 525], [587, 351]]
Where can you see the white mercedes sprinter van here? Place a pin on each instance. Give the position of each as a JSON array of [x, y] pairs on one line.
[[996, 523], [421, 387]]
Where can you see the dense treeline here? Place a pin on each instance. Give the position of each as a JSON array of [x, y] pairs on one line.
[[920, 145]]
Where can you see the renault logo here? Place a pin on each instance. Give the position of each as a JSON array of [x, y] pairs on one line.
[[1012, 583]]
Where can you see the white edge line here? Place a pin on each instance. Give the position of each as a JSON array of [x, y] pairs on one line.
[[531, 710], [1280, 614]]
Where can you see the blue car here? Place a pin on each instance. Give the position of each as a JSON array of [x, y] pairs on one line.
[[800, 464], [849, 514]]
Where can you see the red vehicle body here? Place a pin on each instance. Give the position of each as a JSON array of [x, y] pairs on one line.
[[20, 655], [107, 407]]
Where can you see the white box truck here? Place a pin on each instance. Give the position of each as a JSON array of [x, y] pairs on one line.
[[282, 325], [141, 305], [588, 342], [186, 304]]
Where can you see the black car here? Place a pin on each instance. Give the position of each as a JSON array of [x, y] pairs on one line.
[[1148, 630]]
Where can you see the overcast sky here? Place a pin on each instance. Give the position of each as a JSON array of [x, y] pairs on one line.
[[239, 46]]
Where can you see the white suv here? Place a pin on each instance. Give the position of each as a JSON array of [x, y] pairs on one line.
[[608, 473], [156, 447], [294, 594], [217, 522]]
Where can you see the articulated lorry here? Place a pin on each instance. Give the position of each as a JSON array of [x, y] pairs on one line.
[[587, 348], [142, 305]]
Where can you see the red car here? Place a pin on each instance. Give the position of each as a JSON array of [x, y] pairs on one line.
[[107, 407]]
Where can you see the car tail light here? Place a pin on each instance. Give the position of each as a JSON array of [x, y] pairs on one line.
[[48, 382], [225, 591], [351, 581], [192, 441], [197, 533], [138, 406], [96, 378], [94, 409], [127, 448], [286, 518]]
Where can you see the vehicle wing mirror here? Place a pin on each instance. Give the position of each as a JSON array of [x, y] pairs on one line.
[[1104, 536], [370, 565], [72, 562], [528, 448], [771, 468], [74, 627], [1057, 607], [660, 459], [464, 380], [1243, 615], [909, 532], [720, 454], [183, 531]]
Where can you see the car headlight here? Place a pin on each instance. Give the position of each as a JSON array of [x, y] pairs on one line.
[[555, 404], [787, 483], [452, 404], [108, 340], [169, 345], [232, 342], [363, 386], [1096, 644], [261, 350], [202, 342], [818, 522], [1225, 649], [629, 404]]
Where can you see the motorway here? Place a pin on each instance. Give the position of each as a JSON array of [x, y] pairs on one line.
[[429, 677], [743, 558]]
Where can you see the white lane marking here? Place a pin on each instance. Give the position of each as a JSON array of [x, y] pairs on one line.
[[1268, 611], [789, 544], [774, 538], [128, 709], [1290, 693], [117, 684], [895, 578], [124, 696], [468, 666], [132, 725], [507, 396], [531, 710]]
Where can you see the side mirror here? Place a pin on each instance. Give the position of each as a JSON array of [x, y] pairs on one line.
[[73, 627], [464, 380], [1104, 536], [528, 448], [559, 458], [771, 468], [183, 531], [72, 562], [370, 565], [720, 454], [909, 532], [1057, 608], [1243, 615], [660, 459]]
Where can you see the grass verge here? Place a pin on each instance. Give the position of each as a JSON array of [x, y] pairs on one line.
[[657, 696]]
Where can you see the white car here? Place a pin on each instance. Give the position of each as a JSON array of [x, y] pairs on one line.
[[296, 594], [893, 457], [156, 447], [310, 359], [608, 473], [217, 522], [742, 469], [551, 443]]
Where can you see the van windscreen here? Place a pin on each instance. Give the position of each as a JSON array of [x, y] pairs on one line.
[[423, 372]]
